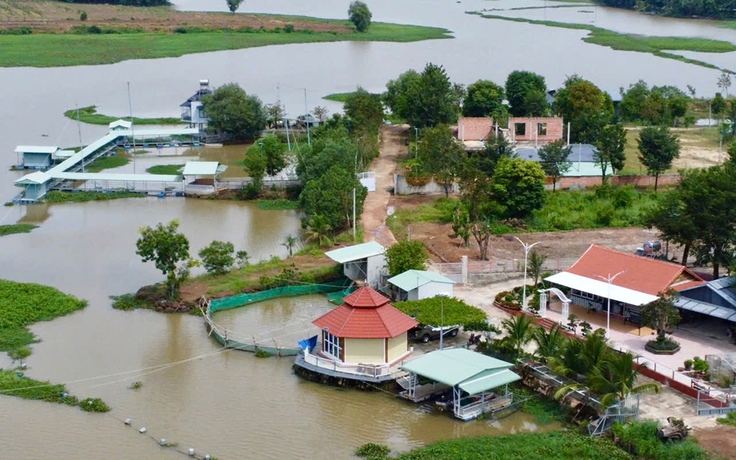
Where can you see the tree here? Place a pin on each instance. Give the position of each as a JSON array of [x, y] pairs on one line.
[[518, 185], [661, 314], [319, 230], [633, 101], [718, 104], [274, 114], [724, 82], [430, 100], [332, 148], [360, 16], [274, 151], [217, 257], [243, 258], [441, 155], [673, 221], [167, 249], [233, 5], [365, 110], [585, 107], [461, 224], [290, 243], [230, 110], [331, 196], [732, 153], [484, 99], [548, 343], [535, 265], [554, 160], [496, 148], [320, 113], [255, 164], [616, 379], [657, 149], [519, 332], [397, 92], [406, 255], [611, 149], [527, 94]]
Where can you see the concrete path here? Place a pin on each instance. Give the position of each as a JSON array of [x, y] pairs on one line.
[[375, 209]]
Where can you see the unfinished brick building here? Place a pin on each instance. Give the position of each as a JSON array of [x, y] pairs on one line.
[[535, 131]]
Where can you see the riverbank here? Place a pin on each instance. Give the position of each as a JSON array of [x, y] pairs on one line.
[[658, 46], [83, 197], [50, 34], [16, 228], [90, 116]]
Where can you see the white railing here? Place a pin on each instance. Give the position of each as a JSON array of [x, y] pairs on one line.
[[368, 370], [475, 409]]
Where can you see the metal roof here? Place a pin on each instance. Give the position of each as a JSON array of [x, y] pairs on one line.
[[412, 279], [33, 178], [356, 252], [161, 132], [705, 308], [119, 177], [471, 371], [601, 288], [36, 149], [200, 168], [122, 123]]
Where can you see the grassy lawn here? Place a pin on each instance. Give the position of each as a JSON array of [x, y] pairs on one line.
[[638, 43], [57, 50], [16, 228], [81, 197], [701, 137], [89, 115], [107, 162], [170, 170], [439, 211]]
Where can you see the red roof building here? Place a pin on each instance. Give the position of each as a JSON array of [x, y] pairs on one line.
[[365, 329]]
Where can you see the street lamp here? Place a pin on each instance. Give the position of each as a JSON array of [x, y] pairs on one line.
[[527, 248], [442, 296], [416, 141], [609, 280]]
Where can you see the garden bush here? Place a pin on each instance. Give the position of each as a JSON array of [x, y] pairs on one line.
[[640, 439]]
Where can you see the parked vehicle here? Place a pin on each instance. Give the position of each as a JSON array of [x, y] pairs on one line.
[[425, 333]]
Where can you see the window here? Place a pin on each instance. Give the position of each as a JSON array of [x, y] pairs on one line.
[[520, 129], [541, 129], [331, 345]]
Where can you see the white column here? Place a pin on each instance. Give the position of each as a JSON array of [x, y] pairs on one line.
[[542, 304], [565, 311], [464, 269]]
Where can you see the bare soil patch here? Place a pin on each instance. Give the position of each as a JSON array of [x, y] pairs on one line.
[[720, 440], [54, 17]]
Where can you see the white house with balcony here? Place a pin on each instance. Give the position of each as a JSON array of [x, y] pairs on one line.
[[192, 111]]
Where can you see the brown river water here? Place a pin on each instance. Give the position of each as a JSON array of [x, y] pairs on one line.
[[228, 403]]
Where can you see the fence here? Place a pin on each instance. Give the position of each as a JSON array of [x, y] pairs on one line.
[[402, 187], [461, 271], [236, 184]]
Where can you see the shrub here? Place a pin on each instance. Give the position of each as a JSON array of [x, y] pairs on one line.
[[262, 354], [623, 197], [217, 257], [94, 405], [83, 16], [640, 439], [700, 365], [437, 311], [604, 215], [373, 451], [406, 255], [289, 28], [507, 299], [249, 192]]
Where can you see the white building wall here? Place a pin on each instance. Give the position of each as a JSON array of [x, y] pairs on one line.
[[433, 289], [375, 266], [413, 294]]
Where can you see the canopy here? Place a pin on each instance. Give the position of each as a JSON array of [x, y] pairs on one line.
[[705, 308], [36, 149], [201, 168], [471, 371], [601, 288], [412, 279], [356, 252]]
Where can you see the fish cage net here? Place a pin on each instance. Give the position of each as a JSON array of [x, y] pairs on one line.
[[722, 367]]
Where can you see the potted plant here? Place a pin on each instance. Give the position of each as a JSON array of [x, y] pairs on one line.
[[586, 326], [688, 364]]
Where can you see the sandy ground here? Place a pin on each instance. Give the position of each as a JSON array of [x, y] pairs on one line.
[[720, 440], [376, 206], [59, 17]]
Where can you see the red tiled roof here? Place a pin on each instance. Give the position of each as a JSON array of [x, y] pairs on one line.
[[643, 274], [474, 128], [366, 314]]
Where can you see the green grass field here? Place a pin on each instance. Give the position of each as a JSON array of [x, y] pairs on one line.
[[82, 197], [170, 170], [107, 162], [637, 43], [89, 115], [16, 228], [57, 50]]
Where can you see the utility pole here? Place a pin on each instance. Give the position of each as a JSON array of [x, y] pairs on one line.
[[306, 118], [354, 213], [132, 130], [79, 129], [609, 280]]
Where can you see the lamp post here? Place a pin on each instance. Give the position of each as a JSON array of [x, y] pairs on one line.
[[609, 280], [442, 296], [416, 141], [527, 248]]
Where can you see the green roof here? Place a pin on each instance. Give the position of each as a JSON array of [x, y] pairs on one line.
[[471, 371], [412, 279], [356, 252]]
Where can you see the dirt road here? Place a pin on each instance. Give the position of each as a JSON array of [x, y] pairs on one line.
[[375, 209]]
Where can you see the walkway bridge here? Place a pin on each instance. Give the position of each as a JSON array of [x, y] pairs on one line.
[[37, 184]]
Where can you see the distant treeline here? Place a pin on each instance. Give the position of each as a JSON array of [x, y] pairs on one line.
[[715, 9], [122, 2]]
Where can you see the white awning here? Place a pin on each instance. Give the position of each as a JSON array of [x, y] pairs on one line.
[[601, 288], [201, 168], [36, 149]]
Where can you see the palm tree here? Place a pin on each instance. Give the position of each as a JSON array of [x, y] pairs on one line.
[[616, 379], [548, 343], [290, 243], [595, 350], [319, 230], [519, 330], [570, 362]]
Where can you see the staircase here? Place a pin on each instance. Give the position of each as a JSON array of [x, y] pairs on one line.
[[547, 323]]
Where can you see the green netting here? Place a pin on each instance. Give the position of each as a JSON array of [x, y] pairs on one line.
[[337, 296], [284, 291]]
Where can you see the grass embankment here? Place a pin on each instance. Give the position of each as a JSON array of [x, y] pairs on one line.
[[22, 304], [108, 162], [657, 46], [89, 115], [81, 197], [169, 170], [563, 210], [16, 228], [58, 50], [277, 204], [338, 97]]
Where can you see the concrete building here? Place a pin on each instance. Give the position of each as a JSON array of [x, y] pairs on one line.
[[420, 284], [192, 111], [473, 132], [35, 156], [362, 262], [582, 160], [535, 131], [202, 174]]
